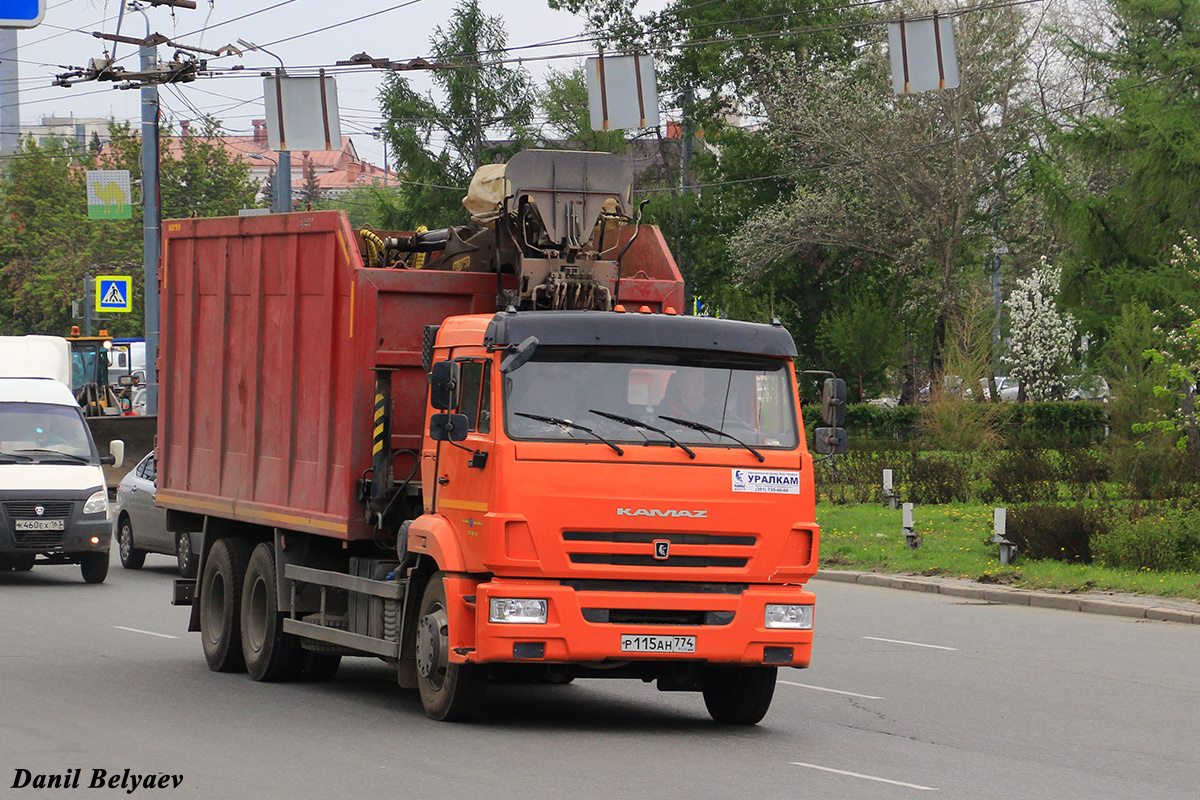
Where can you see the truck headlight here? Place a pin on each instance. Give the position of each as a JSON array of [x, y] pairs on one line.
[[97, 503], [784, 616], [517, 610]]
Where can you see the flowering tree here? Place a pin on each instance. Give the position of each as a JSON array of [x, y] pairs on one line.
[[1042, 336], [1180, 349]]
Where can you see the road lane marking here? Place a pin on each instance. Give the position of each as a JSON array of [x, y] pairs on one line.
[[910, 644], [865, 777], [832, 691], [148, 633]]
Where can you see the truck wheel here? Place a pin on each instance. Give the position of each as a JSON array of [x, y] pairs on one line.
[[94, 567], [271, 654], [319, 667], [738, 695], [131, 557], [221, 603], [184, 555], [449, 692]]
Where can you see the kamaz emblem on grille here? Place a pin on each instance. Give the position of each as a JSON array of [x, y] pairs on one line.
[[661, 512], [39, 510], [662, 549]]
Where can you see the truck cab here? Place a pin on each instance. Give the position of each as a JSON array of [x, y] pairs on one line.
[[547, 429]]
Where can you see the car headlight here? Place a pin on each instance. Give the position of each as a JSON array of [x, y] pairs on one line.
[[97, 503], [517, 610], [785, 616]]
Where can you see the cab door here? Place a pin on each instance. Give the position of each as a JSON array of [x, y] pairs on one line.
[[464, 468]]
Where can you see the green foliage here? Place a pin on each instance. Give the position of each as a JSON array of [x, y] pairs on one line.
[[858, 337], [1162, 540], [1021, 476], [1058, 532], [438, 145], [564, 102], [938, 479]]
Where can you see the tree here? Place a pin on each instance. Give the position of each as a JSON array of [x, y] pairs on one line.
[[483, 116], [564, 103], [1179, 351], [311, 194], [1043, 337]]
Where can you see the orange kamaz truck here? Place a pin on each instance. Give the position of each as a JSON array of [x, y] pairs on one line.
[[484, 454]]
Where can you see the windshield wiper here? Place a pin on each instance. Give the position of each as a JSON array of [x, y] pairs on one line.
[[700, 426], [14, 458], [74, 459], [566, 423], [637, 423]]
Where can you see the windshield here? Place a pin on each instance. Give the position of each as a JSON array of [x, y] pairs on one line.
[[616, 392], [43, 432]]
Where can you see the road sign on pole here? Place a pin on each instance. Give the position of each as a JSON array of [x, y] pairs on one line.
[[108, 194], [21, 13], [114, 293]]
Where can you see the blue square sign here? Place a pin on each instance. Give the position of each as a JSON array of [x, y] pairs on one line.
[[21, 13], [114, 293]]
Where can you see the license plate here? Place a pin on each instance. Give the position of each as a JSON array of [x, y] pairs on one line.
[[634, 643], [41, 524]]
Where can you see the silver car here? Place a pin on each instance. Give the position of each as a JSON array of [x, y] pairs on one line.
[[140, 527]]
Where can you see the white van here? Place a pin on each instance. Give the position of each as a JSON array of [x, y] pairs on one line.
[[53, 499]]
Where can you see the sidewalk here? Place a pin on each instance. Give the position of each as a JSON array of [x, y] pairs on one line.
[[1165, 609]]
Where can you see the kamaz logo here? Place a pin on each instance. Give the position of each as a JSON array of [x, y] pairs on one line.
[[661, 512]]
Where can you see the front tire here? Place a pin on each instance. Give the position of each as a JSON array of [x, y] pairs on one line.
[[94, 567], [449, 692], [23, 563], [221, 603], [270, 654], [184, 555], [131, 557], [738, 695]]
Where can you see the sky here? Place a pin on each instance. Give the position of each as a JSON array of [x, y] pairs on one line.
[[396, 29]]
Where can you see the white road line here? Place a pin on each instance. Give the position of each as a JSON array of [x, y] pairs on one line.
[[148, 633], [911, 644], [832, 691], [866, 777]]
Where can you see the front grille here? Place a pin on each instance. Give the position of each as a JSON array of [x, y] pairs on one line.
[[645, 537], [643, 616], [27, 509], [674, 587], [38, 540], [631, 560]]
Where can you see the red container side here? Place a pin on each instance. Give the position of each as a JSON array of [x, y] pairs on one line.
[[271, 332]]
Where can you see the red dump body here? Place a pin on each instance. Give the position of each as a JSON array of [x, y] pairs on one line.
[[272, 330]]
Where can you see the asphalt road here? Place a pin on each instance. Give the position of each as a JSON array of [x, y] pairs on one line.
[[910, 694]]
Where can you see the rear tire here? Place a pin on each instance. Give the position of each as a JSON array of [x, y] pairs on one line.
[[184, 555], [738, 695], [94, 567], [131, 557], [449, 692], [221, 603], [270, 654]]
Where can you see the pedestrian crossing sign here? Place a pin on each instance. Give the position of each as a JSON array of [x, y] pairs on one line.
[[114, 293]]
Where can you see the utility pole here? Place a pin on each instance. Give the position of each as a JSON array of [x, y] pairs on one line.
[[151, 223]]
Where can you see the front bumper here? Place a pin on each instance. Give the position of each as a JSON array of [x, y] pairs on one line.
[[727, 623]]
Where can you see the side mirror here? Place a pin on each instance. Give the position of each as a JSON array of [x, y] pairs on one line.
[[116, 451], [517, 356], [829, 441], [443, 385], [833, 402], [125, 380], [448, 427]]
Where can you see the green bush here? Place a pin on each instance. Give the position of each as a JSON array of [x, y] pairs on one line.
[[857, 476], [1023, 475], [1161, 542], [937, 479], [1062, 533]]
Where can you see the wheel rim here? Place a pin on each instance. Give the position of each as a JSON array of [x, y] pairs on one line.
[[256, 605], [432, 646], [214, 595], [126, 541]]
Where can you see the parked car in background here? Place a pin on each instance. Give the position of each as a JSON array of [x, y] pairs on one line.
[[140, 527]]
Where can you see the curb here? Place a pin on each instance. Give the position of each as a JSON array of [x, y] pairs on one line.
[[1130, 606]]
